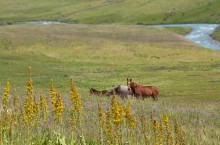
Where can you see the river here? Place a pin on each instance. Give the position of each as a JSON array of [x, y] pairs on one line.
[[200, 34]]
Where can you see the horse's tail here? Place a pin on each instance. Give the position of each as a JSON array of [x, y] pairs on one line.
[[155, 91]]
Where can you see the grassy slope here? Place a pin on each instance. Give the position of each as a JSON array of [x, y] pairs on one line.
[[101, 56], [120, 11], [216, 34]]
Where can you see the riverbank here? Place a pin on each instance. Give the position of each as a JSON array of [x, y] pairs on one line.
[[216, 34]]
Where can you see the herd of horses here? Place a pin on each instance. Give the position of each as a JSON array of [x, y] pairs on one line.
[[130, 90]]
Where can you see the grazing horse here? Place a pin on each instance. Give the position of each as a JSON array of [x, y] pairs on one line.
[[98, 93], [121, 90], [143, 91]]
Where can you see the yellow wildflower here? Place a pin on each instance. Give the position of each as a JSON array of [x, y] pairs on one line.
[[43, 108], [52, 92], [58, 106]]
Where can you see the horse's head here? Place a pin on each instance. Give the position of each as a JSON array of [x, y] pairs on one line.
[[131, 84]]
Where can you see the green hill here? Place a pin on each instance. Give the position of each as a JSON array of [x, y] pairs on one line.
[[112, 11]]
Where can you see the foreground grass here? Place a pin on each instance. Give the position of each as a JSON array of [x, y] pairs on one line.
[[198, 124], [102, 56], [114, 11]]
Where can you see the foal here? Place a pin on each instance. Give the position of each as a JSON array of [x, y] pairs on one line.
[[98, 93], [143, 91]]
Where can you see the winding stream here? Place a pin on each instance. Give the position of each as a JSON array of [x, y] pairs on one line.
[[200, 34]]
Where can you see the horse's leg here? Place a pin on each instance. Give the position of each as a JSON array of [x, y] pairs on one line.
[[152, 96], [155, 96]]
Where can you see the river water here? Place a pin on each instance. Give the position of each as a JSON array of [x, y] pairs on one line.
[[200, 34]]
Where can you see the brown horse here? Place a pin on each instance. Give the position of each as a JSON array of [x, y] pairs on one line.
[[143, 91], [98, 93]]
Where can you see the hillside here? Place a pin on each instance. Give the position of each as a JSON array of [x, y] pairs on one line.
[[112, 11]]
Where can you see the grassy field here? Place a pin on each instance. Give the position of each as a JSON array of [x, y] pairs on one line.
[[112, 11], [102, 56]]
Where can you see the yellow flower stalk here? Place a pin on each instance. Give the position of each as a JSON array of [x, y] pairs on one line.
[[35, 106], [75, 119], [178, 135], [75, 98], [109, 127], [127, 110], [165, 119], [29, 85], [117, 119], [29, 105], [168, 130], [160, 133], [76, 106], [43, 108], [101, 122], [5, 96], [117, 114], [15, 103], [101, 116], [113, 103], [58, 107], [15, 110], [73, 122], [53, 92], [130, 119], [155, 128], [5, 115]]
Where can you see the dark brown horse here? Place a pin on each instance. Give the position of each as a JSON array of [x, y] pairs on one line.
[[143, 91], [98, 93]]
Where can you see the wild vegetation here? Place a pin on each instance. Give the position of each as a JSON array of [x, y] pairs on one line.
[[102, 56], [33, 120], [49, 103]]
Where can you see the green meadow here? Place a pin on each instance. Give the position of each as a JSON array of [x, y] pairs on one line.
[[102, 56], [100, 47]]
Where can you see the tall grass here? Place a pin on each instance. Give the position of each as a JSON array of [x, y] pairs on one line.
[[105, 120], [32, 124]]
